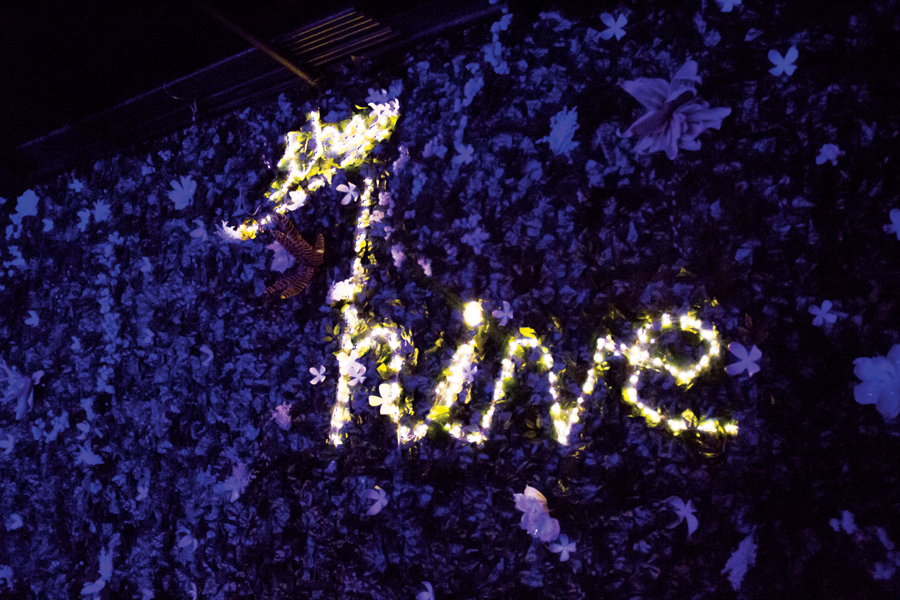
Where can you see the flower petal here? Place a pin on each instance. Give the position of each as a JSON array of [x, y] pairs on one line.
[[608, 20], [737, 349], [791, 56], [868, 392], [752, 369], [893, 356], [687, 73], [735, 368], [692, 523], [651, 93], [888, 403], [874, 369], [650, 124], [549, 529]]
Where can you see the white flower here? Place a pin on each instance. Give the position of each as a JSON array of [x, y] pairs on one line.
[[428, 594], [504, 314], [385, 400], [384, 96], [397, 254], [536, 518], [238, 481], [76, 185], [426, 264], [727, 5], [318, 375], [26, 206], [741, 560], [465, 153], [350, 192], [282, 416], [562, 127], [20, 388], [298, 199], [229, 234], [182, 193], [894, 226], [880, 382], [829, 152], [380, 498], [564, 547], [469, 372], [347, 362], [684, 511], [143, 489], [341, 290], [676, 115], [748, 360], [615, 26], [783, 64], [358, 375], [283, 260], [87, 456], [822, 314], [33, 320]]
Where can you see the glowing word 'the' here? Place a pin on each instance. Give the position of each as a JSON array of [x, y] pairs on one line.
[[314, 156]]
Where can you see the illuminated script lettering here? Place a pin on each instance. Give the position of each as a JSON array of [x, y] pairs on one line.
[[312, 158]]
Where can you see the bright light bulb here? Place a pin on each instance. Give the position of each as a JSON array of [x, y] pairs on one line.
[[473, 314]]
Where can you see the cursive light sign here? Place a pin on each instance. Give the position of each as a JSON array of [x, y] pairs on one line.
[[311, 159]]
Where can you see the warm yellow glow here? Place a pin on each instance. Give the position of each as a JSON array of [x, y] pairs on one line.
[[313, 157], [473, 314], [454, 387], [639, 357]]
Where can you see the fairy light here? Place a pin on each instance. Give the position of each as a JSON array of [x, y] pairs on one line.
[[473, 315], [353, 337], [448, 391], [313, 157], [517, 347], [639, 357], [311, 160]]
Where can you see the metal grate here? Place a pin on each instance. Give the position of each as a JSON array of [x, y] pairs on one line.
[[224, 86]]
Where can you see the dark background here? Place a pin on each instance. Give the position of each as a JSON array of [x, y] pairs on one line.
[[64, 62]]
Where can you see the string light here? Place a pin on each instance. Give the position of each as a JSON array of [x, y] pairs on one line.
[[313, 158]]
